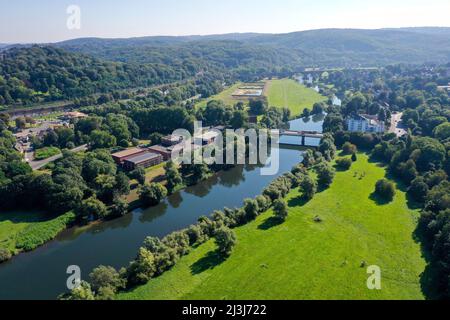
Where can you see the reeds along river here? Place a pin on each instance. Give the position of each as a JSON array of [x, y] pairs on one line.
[[41, 274]]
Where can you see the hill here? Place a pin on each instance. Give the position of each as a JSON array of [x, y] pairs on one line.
[[325, 47], [304, 259], [43, 73]]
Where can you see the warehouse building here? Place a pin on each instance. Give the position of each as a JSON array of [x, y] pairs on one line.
[[145, 160]]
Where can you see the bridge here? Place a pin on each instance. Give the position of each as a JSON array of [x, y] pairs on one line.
[[301, 134]]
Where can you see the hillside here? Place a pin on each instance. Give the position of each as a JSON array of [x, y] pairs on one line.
[[303, 259], [37, 73], [325, 47]]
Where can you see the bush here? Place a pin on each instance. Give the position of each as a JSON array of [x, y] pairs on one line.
[[344, 163], [385, 189], [354, 157], [39, 233], [349, 148], [152, 194], [5, 255], [46, 153]]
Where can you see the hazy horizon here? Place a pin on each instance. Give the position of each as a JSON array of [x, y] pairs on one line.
[[223, 34], [45, 21]]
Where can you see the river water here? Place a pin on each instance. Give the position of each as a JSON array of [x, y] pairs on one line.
[[41, 274]]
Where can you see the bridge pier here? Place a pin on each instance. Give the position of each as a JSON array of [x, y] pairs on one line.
[[303, 141]]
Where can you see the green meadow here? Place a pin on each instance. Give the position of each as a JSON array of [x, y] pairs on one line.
[[290, 94], [305, 259], [226, 96]]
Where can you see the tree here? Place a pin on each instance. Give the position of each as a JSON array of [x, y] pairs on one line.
[[20, 123], [225, 240], [138, 174], [173, 176], [119, 207], [442, 132], [349, 148], [354, 157], [251, 209], [239, 119], [122, 184], [280, 209], [309, 187], [152, 194], [325, 174], [102, 139], [385, 189], [318, 108], [257, 107], [80, 293], [92, 207], [142, 269], [106, 277], [419, 189]]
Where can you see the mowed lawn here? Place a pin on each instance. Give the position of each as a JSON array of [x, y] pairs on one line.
[[304, 259], [290, 94], [12, 223]]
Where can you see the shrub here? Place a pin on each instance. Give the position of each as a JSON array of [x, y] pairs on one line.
[[344, 163], [349, 148], [5, 255], [354, 157], [385, 189]]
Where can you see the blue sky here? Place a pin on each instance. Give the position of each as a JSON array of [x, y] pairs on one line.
[[45, 20]]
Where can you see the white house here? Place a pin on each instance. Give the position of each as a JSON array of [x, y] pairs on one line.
[[365, 123]]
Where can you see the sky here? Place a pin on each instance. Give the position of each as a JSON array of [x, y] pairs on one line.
[[43, 21]]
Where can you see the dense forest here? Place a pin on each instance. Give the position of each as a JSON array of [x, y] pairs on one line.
[[37, 74], [82, 67]]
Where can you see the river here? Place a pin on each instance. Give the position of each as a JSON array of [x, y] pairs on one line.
[[41, 274]]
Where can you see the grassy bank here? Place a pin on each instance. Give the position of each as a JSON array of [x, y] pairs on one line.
[[21, 231], [304, 259], [289, 93]]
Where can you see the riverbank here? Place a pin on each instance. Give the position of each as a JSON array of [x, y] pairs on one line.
[[305, 259], [41, 274]]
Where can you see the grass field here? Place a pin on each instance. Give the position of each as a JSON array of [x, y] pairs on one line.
[[45, 153], [225, 96], [289, 93], [303, 259]]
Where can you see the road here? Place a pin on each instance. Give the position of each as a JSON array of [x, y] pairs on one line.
[[397, 126], [36, 165]]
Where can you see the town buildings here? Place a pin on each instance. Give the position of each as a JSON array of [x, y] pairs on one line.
[[365, 123]]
